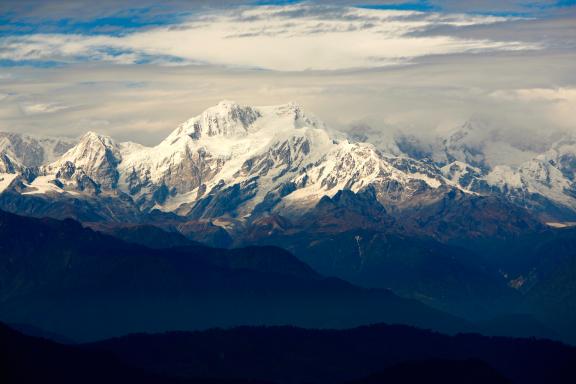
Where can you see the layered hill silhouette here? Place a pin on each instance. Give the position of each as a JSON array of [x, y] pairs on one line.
[[289, 354], [73, 281], [27, 359]]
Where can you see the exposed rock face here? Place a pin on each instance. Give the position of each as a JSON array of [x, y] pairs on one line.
[[7, 165]]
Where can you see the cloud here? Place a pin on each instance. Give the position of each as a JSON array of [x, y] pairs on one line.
[[290, 38], [558, 104], [556, 95], [42, 108], [145, 103]]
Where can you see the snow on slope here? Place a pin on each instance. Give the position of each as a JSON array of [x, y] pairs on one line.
[[6, 179], [461, 174]]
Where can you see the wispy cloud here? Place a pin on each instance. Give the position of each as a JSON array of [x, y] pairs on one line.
[[42, 108]]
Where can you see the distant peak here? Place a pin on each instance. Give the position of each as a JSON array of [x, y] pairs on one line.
[[92, 136]]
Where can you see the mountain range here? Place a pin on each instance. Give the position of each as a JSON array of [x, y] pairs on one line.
[[234, 164]]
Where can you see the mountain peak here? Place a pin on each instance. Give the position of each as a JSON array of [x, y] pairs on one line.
[[227, 118], [95, 156], [94, 137]]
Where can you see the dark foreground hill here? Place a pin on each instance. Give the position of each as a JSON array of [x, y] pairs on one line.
[[374, 354], [27, 359], [291, 355], [83, 285]]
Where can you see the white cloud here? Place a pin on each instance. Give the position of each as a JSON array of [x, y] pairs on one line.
[[558, 104]]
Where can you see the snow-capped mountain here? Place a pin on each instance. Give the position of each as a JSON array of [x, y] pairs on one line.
[[546, 183], [20, 155], [474, 158], [540, 182], [232, 161], [235, 163], [33, 151], [238, 161], [91, 163]]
